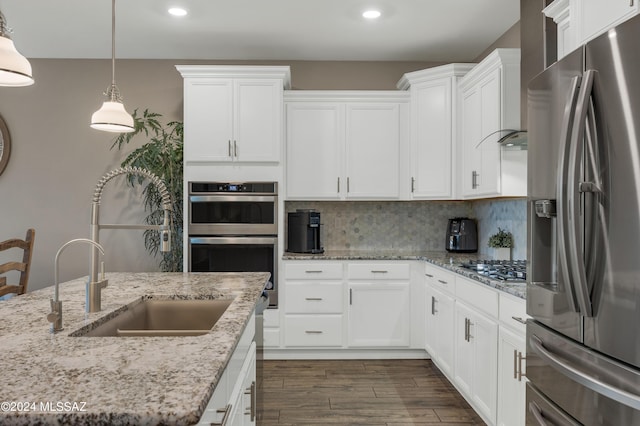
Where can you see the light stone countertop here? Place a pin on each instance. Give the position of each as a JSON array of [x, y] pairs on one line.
[[443, 259], [117, 380]]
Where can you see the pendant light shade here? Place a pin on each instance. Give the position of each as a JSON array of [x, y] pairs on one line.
[[112, 117], [15, 69]]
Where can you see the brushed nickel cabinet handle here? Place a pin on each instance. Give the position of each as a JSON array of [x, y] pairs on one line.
[[313, 298], [313, 331], [251, 410], [313, 272], [338, 184], [379, 271], [347, 184], [515, 363], [227, 411], [413, 184], [229, 147], [520, 373], [443, 282], [433, 305], [235, 149], [429, 275], [519, 319], [351, 296]]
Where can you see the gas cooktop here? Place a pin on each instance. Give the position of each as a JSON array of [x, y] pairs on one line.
[[503, 270]]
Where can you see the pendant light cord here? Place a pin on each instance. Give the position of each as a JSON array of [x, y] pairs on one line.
[[113, 42]]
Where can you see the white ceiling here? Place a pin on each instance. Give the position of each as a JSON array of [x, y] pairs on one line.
[[409, 30]]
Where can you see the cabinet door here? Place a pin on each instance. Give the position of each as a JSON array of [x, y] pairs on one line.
[[373, 150], [208, 118], [314, 142], [597, 16], [511, 386], [379, 314], [440, 329], [471, 135], [249, 387], [431, 140], [484, 336], [257, 129], [476, 359], [489, 150]]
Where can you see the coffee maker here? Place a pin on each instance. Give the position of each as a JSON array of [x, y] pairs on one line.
[[303, 234], [462, 235]]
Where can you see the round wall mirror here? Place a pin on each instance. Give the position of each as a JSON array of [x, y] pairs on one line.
[[5, 145]]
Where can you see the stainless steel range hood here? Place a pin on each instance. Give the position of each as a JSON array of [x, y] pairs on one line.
[[509, 139]]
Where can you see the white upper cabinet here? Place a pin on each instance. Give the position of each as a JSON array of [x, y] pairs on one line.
[[490, 103], [579, 21], [314, 144], [233, 113], [433, 128], [597, 16], [344, 145]]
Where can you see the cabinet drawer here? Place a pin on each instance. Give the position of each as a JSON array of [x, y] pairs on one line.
[[271, 318], [512, 308], [378, 271], [441, 279], [314, 271], [313, 330], [314, 298], [478, 296], [271, 337]]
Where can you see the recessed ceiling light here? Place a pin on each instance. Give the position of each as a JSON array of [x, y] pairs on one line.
[[371, 14], [177, 11]]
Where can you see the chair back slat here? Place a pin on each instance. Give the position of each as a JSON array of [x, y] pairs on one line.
[[23, 267]]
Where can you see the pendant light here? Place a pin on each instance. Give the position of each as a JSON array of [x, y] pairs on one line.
[[15, 69], [112, 117]]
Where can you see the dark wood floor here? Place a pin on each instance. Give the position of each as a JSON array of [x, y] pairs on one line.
[[362, 392]]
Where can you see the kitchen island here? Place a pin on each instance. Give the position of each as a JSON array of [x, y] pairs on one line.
[[59, 379]]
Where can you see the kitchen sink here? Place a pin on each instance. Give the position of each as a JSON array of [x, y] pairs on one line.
[[168, 318]]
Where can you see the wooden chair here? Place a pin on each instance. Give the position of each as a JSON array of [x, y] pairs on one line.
[[23, 267]]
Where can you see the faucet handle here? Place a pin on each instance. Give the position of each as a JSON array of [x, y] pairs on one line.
[[55, 316]]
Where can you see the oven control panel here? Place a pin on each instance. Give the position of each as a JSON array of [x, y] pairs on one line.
[[233, 187]]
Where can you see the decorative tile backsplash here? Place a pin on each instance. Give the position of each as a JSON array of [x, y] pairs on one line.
[[412, 225]]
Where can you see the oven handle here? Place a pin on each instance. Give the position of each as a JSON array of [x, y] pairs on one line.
[[232, 240], [232, 198]]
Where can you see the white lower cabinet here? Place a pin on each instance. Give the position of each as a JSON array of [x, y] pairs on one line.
[[511, 383], [234, 398], [379, 314], [439, 329], [476, 344], [512, 361], [379, 304]]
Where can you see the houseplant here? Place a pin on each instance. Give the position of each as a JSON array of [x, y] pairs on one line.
[[502, 242], [161, 155]]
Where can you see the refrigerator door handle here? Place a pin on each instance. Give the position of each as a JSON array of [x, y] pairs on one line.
[[575, 231], [562, 208], [595, 384]]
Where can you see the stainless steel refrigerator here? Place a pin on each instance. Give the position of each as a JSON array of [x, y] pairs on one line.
[[583, 290]]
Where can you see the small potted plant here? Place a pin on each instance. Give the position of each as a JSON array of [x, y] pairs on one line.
[[501, 242]]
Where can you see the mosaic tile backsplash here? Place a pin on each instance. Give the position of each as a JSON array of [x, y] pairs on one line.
[[413, 225]]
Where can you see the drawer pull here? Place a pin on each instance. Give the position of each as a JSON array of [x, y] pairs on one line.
[[429, 275], [313, 331], [313, 298], [379, 271], [227, 411], [520, 320], [443, 282], [313, 272]]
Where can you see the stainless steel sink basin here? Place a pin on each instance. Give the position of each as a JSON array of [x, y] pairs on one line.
[[163, 318]]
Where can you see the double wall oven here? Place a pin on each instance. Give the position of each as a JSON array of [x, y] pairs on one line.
[[233, 227]]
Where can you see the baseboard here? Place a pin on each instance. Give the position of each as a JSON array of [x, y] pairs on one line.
[[292, 354]]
